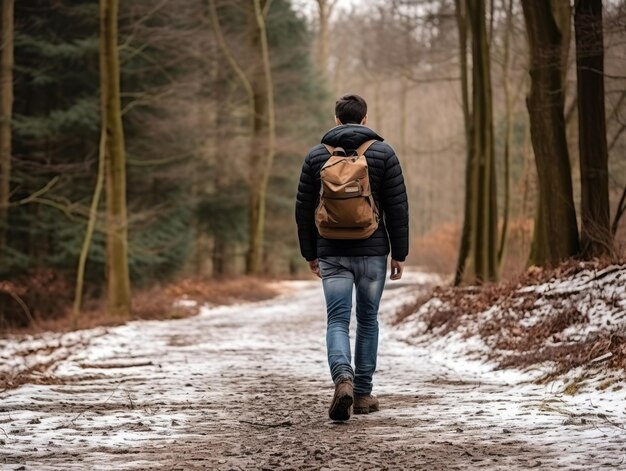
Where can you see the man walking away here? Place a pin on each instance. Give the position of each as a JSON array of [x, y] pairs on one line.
[[352, 253]]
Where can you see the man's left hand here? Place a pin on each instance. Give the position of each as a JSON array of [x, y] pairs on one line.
[[396, 269]]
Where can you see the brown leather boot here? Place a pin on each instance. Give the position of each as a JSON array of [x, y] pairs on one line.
[[365, 403], [342, 400]]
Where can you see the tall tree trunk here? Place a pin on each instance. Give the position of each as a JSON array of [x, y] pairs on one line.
[[508, 7], [219, 256], [555, 236], [614, 113], [484, 244], [462, 26], [6, 114], [325, 8], [404, 119], [118, 279], [258, 103], [528, 182], [596, 239], [619, 212], [480, 226], [262, 155], [221, 145]]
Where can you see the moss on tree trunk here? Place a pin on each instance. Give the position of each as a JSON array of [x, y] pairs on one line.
[[118, 282]]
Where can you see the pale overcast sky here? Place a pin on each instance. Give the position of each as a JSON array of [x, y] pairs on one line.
[[309, 7]]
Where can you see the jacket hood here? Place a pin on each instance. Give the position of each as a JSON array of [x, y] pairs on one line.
[[349, 136]]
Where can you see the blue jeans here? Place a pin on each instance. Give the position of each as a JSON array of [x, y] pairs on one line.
[[339, 276]]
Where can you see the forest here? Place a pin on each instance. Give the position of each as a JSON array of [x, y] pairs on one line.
[[160, 161], [147, 142]]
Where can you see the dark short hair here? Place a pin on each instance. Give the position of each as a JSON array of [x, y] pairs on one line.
[[350, 109]]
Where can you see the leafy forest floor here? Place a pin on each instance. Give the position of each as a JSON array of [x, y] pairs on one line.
[[42, 301], [508, 377], [570, 321]]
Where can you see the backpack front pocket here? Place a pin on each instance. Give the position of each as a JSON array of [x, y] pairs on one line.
[[345, 212]]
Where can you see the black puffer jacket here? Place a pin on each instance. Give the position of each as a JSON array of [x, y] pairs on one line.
[[388, 189]]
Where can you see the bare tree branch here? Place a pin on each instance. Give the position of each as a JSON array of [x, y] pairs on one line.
[[35, 196], [241, 75], [621, 209]]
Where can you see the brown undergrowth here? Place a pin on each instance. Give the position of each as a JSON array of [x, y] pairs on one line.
[[523, 327], [437, 250], [43, 302]]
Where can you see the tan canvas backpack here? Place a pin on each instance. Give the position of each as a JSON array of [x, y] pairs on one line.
[[346, 208]]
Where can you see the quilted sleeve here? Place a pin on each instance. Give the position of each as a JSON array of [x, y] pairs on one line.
[[305, 212], [396, 208]]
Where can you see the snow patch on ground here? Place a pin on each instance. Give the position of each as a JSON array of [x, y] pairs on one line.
[[584, 395]]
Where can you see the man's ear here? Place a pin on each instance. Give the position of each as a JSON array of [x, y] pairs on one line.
[[337, 122], [364, 121]]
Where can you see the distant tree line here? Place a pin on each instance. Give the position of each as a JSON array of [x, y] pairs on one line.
[[543, 155]]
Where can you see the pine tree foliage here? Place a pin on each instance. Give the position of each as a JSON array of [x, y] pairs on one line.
[[185, 126]]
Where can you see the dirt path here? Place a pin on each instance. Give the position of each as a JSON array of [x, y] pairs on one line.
[[246, 387]]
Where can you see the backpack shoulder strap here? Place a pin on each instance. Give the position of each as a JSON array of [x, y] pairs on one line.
[[334, 150], [363, 147]]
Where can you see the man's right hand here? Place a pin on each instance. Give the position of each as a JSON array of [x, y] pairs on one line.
[[314, 266]]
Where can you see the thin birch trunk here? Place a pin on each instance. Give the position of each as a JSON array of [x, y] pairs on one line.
[[93, 213]]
